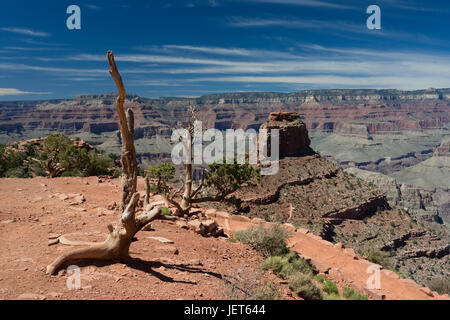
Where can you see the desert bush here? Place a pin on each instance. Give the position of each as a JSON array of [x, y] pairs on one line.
[[287, 265], [330, 287], [61, 157], [440, 285], [165, 211], [269, 241], [379, 257], [268, 291], [351, 294], [225, 178], [245, 284], [98, 164], [163, 172], [222, 180], [332, 297], [303, 286], [11, 163], [17, 172], [319, 278]]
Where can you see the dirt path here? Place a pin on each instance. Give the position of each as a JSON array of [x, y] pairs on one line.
[[341, 265]]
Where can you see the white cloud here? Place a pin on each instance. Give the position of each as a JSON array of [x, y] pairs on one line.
[[93, 7], [337, 28], [306, 3], [397, 82], [25, 31], [12, 91], [300, 24], [212, 50], [69, 71], [406, 5], [309, 64], [213, 3], [171, 48]]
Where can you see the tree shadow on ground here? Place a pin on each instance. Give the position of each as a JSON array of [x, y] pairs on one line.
[[149, 266]]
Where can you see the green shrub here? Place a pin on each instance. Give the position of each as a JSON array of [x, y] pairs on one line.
[[287, 265], [379, 257], [17, 172], [330, 287], [11, 164], [61, 157], [223, 179], [333, 296], [165, 211], [246, 284], [440, 285], [319, 278], [267, 291], [351, 294], [98, 164], [303, 286], [163, 172], [268, 241]]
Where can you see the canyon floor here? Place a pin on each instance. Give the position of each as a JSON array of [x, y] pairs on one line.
[[190, 268]]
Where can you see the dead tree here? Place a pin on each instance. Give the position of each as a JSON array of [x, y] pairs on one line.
[[185, 204], [117, 244], [220, 181]]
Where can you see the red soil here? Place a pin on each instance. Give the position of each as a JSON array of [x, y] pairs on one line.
[[31, 210]]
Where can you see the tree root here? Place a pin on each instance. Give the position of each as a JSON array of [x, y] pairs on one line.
[[63, 240], [98, 251]]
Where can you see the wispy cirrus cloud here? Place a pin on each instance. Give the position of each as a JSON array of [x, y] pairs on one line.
[[25, 67], [308, 65], [26, 31], [307, 3], [212, 50], [339, 28], [93, 7], [297, 24], [221, 51], [13, 91], [379, 82], [409, 5]]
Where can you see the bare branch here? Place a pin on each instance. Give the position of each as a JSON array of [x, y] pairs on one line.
[[114, 72], [147, 191]]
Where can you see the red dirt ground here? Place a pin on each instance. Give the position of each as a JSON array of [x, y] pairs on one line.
[[31, 210]]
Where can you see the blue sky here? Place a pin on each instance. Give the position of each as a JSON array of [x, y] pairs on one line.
[[197, 47]]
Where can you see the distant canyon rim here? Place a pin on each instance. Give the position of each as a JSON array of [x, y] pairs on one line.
[[403, 136]]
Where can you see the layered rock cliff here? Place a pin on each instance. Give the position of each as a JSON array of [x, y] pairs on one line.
[[292, 133], [361, 126]]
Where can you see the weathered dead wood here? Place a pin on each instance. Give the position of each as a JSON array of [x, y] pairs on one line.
[[117, 244], [185, 203]]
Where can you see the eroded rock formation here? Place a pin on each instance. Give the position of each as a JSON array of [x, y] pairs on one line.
[[293, 135]]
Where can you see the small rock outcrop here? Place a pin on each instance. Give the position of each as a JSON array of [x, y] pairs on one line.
[[294, 139], [205, 228], [415, 200], [443, 150]]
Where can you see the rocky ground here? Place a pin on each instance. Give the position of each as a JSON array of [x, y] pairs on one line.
[[312, 193], [35, 210], [169, 261]]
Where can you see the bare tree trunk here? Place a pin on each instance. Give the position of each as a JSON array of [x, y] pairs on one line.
[[185, 203], [117, 245]]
